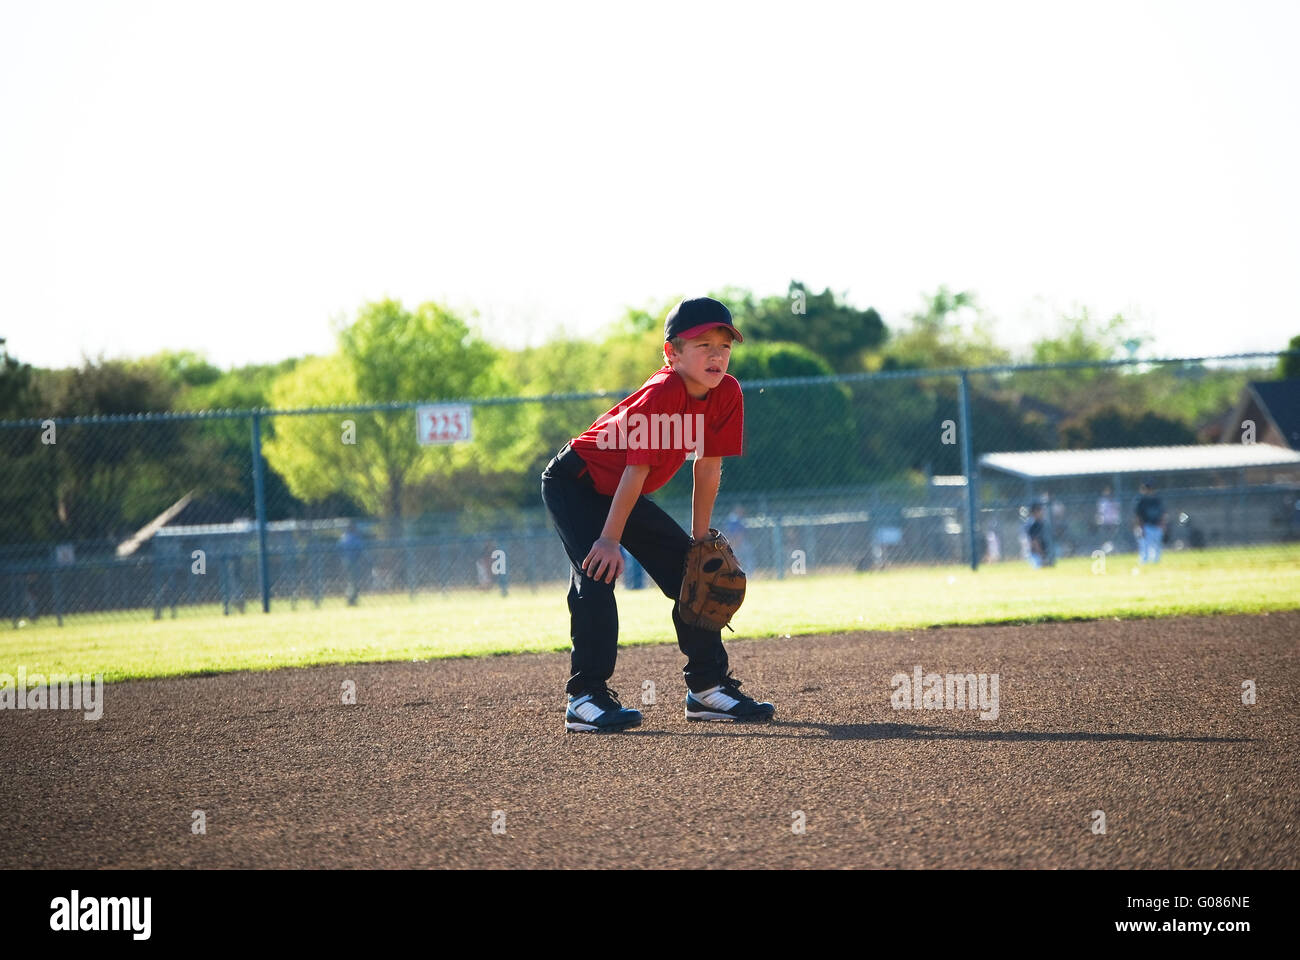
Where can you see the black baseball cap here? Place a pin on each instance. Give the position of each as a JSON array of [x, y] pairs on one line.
[[692, 317]]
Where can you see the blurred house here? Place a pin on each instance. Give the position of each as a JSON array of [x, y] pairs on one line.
[[1273, 406]]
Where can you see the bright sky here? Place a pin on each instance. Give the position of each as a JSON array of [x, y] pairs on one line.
[[229, 176]]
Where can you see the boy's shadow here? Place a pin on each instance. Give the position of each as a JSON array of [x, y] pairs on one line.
[[910, 731]]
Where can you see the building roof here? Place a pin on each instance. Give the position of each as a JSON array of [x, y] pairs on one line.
[[1042, 464], [1281, 401]]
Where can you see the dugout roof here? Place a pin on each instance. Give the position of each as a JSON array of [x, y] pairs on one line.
[[1047, 464]]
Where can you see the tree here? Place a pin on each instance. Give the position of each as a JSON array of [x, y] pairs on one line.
[[183, 368], [102, 481], [823, 323], [950, 330], [1111, 427], [650, 318], [1289, 368], [26, 496], [1105, 405], [17, 392], [228, 490], [240, 388], [110, 479], [1079, 338], [392, 354], [619, 364]]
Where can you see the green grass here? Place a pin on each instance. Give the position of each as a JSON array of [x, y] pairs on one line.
[[468, 623]]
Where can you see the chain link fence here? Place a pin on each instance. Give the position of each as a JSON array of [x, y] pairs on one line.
[[228, 512]]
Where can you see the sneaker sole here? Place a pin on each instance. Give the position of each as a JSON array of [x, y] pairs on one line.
[[573, 726], [710, 715]]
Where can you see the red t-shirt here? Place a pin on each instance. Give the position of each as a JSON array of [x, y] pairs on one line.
[[658, 425]]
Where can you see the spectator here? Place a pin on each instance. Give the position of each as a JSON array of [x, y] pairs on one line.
[[1150, 530], [29, 597], [1035, 538], [733, 528], [992, 547], [1058, 528], [352, 546], [633, 572], [492, 569], [1107, 518]]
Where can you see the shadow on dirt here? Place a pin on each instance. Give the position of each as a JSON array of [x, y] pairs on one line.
[[906, 731]]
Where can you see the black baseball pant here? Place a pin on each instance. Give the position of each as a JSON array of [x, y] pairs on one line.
[[657, 542]]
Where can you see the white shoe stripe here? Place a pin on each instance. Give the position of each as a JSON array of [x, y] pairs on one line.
[[588, 711], [717, 699]]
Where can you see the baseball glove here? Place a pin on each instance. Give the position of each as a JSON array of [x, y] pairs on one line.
[[713, 585]]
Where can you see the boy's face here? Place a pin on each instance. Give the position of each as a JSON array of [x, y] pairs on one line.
[[703, 360]]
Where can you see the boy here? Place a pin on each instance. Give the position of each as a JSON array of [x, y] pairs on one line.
[[595, 492]]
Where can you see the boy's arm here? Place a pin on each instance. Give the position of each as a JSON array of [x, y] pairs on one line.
[[708, 474], [625, 497], [605, 559]]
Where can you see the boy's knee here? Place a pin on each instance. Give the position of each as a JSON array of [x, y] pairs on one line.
[[588, 587]]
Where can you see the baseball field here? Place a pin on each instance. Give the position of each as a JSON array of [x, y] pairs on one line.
[[1138, 720]]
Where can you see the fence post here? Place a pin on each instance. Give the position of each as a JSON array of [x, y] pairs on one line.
[[56, 593], [778, 545], [156, 578], [963, 412], [407, 565], [259, 495], [317, 574]]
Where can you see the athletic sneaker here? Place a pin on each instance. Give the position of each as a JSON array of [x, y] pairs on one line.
[[726, 702], [598, 711]]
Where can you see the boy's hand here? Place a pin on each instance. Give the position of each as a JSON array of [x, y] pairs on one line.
[[605, 561]]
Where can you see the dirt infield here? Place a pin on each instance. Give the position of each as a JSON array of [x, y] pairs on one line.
[[1143, 720]]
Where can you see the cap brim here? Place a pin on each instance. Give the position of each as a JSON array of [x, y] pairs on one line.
[[694, 332]]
